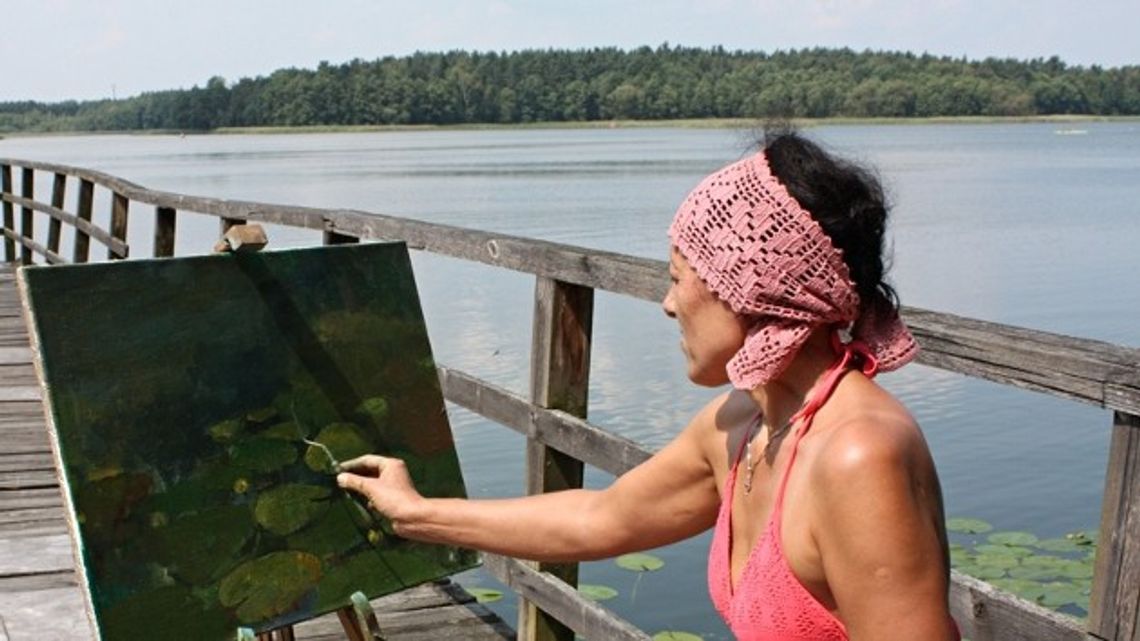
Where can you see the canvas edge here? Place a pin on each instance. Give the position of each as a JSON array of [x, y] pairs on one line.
[[69, 511]]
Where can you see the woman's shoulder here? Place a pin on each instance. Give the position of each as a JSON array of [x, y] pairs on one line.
[[867, 428]]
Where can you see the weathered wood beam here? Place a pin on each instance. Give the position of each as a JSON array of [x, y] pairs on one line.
[[9, 214], [58, 189], [83, 207], [569, 434], [120, 205], [985, 613], [560, 373], [27, 220], [165, 222], [1114, 613], [83, 225], [581, 615]]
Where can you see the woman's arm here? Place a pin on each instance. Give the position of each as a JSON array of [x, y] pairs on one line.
[[880, 534], [671, 496]]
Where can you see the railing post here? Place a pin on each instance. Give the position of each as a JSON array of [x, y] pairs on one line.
[[560, 371], [1114, 613], [165, 219], [9, 214], [58, 188], [119, 207], [83, 207], [28, 190]]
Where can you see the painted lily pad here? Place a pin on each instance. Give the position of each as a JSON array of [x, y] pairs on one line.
[[676, 635], [262, 416], [375, 409], [325, 534], [201, 546], [1012, 538], [225, 431], [639, 562], [485, 595], [287, 431], [263, 454], [270, 585], [343, 440], [968, 526], [287, 508], [597, 592]]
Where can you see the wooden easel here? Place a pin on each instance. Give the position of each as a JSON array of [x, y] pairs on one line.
[[358, 620]]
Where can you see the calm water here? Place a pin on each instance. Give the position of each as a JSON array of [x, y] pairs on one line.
[[1010, 223]]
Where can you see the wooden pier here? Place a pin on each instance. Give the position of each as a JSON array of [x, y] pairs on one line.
[[560, 442], [39, 598]]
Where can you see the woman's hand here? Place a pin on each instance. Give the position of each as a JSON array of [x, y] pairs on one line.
[[387, 486]]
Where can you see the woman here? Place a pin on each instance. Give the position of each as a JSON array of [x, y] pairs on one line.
[[824, 498]]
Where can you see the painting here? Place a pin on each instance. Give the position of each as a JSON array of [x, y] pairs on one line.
[[198, 407]]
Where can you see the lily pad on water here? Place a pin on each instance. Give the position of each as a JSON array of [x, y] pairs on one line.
[[676, 635], [1007, 550], [984, 572], [485, 595], [1024, 588], [1057, 545], [1002, 561], [1012, 538], [287, 508], [1059, 594], [597, 592], [639, 562], [968, 526], [270, 585]]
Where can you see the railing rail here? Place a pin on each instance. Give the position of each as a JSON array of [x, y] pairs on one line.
[[560, 440]]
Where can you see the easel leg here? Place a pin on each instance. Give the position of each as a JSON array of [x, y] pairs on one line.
[[359, 621]]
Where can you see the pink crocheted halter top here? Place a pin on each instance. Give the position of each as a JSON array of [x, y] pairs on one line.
[[769, 603]]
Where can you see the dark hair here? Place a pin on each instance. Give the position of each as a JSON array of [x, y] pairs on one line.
[[848, 203]]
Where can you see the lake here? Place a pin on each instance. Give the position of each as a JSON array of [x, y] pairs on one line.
[[1030, 224]]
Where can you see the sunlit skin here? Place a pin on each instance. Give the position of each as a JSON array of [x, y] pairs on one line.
[[862, 523]]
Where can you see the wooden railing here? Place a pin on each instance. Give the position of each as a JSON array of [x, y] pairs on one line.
[[559, 439]]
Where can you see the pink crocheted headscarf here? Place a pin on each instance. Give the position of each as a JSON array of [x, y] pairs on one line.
[[759, 251]]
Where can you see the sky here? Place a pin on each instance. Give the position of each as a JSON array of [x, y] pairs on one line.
[[55, 50]]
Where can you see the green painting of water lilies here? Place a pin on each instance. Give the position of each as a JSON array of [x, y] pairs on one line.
[[199, 407]]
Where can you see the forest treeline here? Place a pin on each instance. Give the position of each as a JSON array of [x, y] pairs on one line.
[[607, 83]]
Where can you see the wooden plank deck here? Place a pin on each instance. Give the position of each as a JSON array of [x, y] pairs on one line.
[[39, 598]]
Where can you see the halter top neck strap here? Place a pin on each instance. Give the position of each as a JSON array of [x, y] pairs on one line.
[[847, 355]]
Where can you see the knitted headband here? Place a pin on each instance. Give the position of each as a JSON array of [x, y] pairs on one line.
[[759, 251]]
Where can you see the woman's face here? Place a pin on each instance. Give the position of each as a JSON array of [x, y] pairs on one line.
[[711, 333]]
